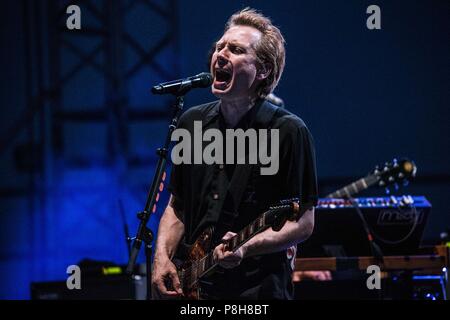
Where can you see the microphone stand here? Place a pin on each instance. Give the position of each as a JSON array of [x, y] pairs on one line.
[[144, 234], [125, 227]]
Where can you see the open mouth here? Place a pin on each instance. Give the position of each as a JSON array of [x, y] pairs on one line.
[[222, 77]]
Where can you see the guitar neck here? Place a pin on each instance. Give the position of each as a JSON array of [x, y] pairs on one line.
[[243, 236], [247, 233], [205, 264], [355, 187]]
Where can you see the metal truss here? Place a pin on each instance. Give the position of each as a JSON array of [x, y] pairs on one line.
[[46, 39]]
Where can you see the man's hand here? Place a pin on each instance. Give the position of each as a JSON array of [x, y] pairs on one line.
[[165, 281], [225, 258]]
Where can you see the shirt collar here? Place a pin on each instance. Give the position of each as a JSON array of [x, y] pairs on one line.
[[258, 116], [212, 114]]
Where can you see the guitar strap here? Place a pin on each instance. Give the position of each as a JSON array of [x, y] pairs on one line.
[[240, 179]]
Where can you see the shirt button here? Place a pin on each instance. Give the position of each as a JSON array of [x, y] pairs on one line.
[[215, 196], [221, 166]]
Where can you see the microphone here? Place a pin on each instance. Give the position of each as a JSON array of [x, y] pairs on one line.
[[182, 86]]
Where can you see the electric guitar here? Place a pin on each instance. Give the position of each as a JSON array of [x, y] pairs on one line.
[[392, 173], [200, 258]]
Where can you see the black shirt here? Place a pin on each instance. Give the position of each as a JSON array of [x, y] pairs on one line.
[[204, 196]]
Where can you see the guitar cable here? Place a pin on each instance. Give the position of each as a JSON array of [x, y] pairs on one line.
[[375, 249]]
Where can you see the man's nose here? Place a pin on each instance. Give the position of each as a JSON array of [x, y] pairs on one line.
[[221, 60]]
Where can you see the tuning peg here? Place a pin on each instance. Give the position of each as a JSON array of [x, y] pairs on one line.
[[386, 168], [381, 183], [391, 179], [401, 175]]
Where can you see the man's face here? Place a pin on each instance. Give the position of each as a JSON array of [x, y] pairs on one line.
[[234, 64]]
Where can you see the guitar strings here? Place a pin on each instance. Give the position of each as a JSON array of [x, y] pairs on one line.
[[192, 272]]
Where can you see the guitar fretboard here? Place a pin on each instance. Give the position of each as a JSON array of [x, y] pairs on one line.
[[200, 267]]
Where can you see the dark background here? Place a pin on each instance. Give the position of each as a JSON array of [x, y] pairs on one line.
[[79, 127]]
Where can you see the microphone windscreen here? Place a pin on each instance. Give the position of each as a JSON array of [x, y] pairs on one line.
[[206, 79]]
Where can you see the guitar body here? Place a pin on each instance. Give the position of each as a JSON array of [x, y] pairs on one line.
[[201, 247]]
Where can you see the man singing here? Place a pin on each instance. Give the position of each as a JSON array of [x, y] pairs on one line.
[[247, 64]]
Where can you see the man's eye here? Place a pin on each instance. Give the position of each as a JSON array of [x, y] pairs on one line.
[[238, 50]]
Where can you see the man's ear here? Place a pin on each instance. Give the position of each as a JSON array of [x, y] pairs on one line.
[[264, 71]]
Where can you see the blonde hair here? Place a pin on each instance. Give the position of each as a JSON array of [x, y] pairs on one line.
[[269, 51]]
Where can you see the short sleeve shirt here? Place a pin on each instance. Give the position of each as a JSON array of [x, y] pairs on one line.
[[201, 194]]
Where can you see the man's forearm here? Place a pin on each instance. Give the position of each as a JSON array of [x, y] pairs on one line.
[[170, 232], [292, 233]]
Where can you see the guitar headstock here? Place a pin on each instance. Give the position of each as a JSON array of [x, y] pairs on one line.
[[395, 172], [277, 215]]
